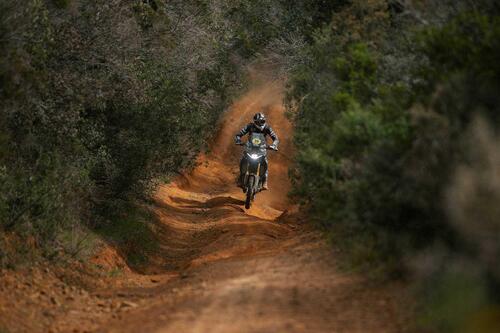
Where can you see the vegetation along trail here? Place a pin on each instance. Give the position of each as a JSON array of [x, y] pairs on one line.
[[248, 271], [119, 210], [219, 267]]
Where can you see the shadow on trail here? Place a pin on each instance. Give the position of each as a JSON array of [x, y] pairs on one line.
[[210, 203], [189, 209]]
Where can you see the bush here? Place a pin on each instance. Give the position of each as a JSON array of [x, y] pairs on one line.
[[101, 100], [379, 150]]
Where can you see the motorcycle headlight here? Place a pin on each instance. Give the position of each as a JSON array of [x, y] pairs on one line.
[[254, 156]]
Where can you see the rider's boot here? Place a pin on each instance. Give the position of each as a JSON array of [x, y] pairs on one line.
[[264, 179]]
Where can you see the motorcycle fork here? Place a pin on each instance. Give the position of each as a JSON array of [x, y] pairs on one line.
[[257, 176], [245, 179]]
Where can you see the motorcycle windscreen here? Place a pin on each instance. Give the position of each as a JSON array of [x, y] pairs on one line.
[[256, 146]]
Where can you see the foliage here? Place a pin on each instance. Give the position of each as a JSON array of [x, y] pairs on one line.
[[61, 3], [381, 125], [395, 105], [101, 99]]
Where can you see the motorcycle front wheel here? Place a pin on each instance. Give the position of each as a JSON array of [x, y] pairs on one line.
[[250, 194]]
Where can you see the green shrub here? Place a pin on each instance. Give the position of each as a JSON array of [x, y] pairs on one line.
[[378, 150], [100, 102], [61, 3]]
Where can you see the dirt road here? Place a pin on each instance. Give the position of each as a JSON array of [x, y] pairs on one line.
[[255, 271], [225, 269]]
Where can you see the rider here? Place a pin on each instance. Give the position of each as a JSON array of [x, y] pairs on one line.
[[258, 126]]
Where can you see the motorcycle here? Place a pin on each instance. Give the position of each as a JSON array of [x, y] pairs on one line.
[[253, 165]]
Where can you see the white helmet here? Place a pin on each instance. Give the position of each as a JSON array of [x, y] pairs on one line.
[[259, 120]]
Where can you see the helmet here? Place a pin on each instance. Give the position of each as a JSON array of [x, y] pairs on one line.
[[259, 120]]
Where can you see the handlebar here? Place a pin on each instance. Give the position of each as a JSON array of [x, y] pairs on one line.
[[268, 147]]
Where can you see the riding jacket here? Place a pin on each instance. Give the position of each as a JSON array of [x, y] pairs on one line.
[[252, 128]]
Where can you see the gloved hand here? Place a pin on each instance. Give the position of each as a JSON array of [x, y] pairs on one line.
[[238, 141], [273, 147]]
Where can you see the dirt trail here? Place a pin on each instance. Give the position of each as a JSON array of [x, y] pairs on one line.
[[225, 269], [256, 270]]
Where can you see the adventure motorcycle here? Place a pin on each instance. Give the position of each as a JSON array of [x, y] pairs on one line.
[[253, 166]]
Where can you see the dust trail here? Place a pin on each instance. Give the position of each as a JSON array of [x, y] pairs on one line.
[[217, 170]]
